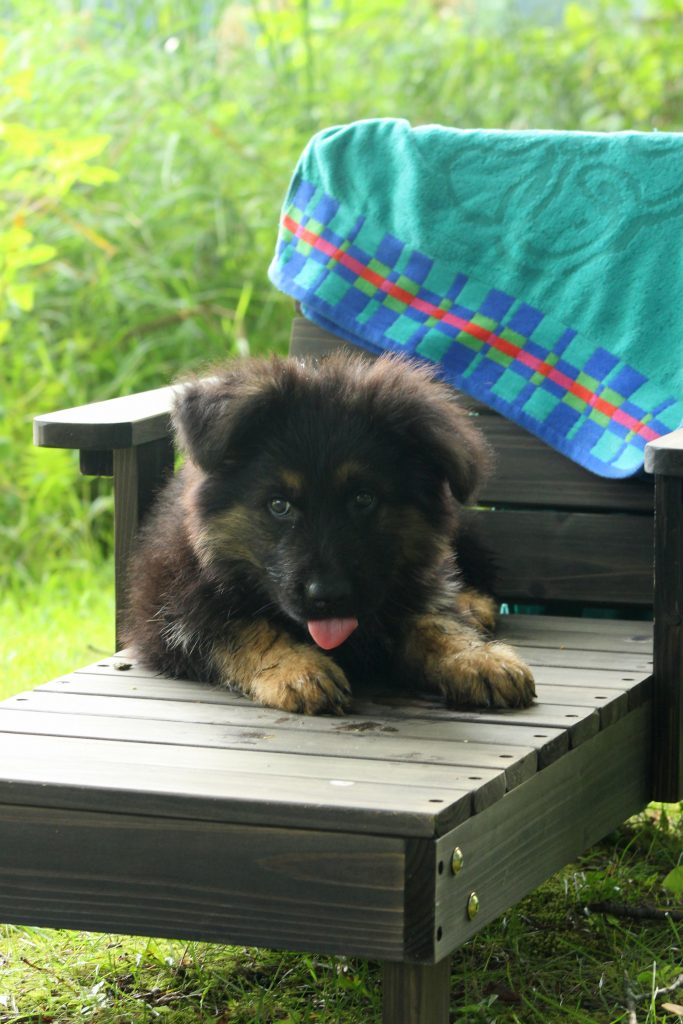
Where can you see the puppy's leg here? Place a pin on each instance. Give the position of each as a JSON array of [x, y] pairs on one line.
[[477, 609], [452, 658], [268, 666]]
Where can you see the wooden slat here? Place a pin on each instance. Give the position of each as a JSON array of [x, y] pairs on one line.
[[548, 821], [634, 664], [591, 557], [189, 782], [155, 719], [305, 754], [418, 720], [580, 722], [278, 887], [529, 473], [581, 634]]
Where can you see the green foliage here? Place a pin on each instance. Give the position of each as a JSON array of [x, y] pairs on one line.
[[144, 152]]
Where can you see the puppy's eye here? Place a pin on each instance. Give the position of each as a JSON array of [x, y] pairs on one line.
[[364, 501], [279, 507]]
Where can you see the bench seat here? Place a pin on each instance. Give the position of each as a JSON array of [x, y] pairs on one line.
[[135, 803]]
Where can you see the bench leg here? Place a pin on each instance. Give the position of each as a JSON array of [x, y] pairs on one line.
[[416, 993]]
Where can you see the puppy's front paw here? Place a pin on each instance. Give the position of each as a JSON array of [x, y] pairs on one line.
[[303, 681], [487, 675]]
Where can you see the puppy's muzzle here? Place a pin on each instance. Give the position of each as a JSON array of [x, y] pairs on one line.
[[327, 594]]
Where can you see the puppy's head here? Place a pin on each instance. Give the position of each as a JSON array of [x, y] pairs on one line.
[[333, 486]]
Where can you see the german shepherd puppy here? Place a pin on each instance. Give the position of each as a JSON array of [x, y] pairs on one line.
[[314, 538]]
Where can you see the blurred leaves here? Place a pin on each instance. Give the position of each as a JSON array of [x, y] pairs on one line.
[[146, 147]]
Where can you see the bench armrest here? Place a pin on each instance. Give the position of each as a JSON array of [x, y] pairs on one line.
[[129, 439], [104, 426], [665, 455]]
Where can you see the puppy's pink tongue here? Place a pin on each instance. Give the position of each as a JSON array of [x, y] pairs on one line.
[[329, 633]]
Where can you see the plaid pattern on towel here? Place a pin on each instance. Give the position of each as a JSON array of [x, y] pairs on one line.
[[360, 273]]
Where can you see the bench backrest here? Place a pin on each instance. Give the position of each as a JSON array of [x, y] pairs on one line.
[[560, 534]]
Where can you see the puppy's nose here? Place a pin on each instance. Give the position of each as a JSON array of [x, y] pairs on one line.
[[325, 592]]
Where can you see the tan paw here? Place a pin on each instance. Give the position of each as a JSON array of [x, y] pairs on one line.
[[303, 681], [477, 609], [487, 675]]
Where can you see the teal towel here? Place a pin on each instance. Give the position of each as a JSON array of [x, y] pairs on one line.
[[542, 271]]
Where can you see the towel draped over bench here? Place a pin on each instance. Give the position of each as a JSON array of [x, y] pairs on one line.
[[542, 271]]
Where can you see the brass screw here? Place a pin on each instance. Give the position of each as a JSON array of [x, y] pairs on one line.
[[457, 860], [472, 906]]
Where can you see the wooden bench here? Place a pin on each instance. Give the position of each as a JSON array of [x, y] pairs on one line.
[[132, 803]]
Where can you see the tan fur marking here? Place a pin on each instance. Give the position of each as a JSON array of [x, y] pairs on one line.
[[347, 471], [232, 534], [452, 658], [292, 482], [270, 667], [477, 609]]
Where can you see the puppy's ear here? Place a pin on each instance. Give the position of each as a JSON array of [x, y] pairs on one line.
[[427, 412], [215, 417], [454, 444]]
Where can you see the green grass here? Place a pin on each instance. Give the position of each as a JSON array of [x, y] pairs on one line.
[[67, 622], [547, 961]]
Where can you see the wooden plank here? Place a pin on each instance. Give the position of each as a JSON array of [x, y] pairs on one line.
[[115, 423], [610, 704], [668, 667], [590, 557], [527, 472], [621, 636], [425, 721], [548, 821], [102, 679], [633, 664], [331, 892], [244, 749], [196, 725], [580, 722], [186, 782]]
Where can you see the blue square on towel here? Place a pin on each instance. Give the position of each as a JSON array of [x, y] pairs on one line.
[[325, 209], [562, 418], [625, 380], [383, 318], [389, 250], [600, 364], [418, 267], [303, 194], [456, 288], [496, 305], [525, 320]]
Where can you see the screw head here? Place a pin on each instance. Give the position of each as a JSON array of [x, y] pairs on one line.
[[472, 906], [457, 860]]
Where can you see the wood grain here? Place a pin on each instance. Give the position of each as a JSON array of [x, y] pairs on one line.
[[140, 875], [532, 832], [583, 556], [416, 993], [668, 662]]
